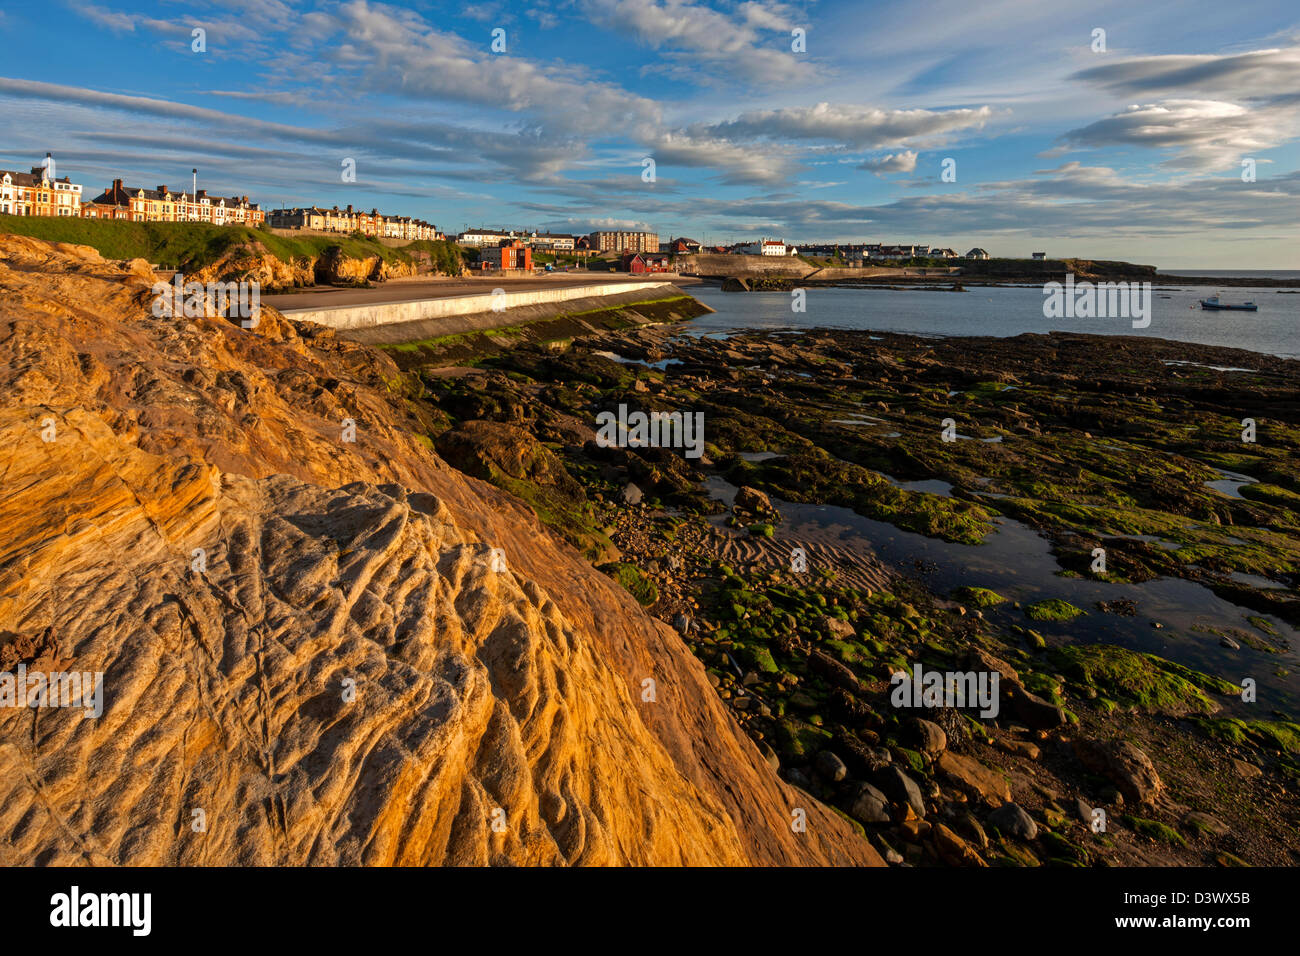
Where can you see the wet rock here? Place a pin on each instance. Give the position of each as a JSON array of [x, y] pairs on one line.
[[831, 767], [1012, 820], [835, 628], [930, 737], [953, 850], [900, 788], [970, 826], [1125, 765], [1031, 709], [1020, 748], [1082, 810], [1229, 643], [822, 664], [752, 501], [850, 710], [1247, 770], [1205, 822], [870, 805]]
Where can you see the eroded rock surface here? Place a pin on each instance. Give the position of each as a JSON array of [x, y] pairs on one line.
[[305, 625]]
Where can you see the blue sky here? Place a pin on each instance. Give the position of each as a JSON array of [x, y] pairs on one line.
[[1132, 152]]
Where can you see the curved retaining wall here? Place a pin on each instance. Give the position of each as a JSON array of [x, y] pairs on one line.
[[464, 313]]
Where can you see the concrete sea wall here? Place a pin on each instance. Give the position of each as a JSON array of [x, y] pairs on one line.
[[394, 322]]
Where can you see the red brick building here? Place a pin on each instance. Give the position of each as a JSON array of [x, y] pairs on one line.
[[511, 254]]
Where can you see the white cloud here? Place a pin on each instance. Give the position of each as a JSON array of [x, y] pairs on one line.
[[904, 162], [1199, 134], [1219, 108], [858, 127]]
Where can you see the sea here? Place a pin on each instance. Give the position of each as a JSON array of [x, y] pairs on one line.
[[1013, 310]]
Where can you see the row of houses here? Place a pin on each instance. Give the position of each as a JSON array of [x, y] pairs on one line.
[[349, 220], [600, 241], [41, 193], [38, 193], [160, 204], [860, 252]]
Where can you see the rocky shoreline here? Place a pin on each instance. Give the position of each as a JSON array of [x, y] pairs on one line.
[[1110, 443]]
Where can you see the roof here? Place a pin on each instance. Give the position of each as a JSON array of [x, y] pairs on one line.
[[34, 178]]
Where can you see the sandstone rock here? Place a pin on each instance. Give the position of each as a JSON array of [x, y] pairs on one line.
[[836, 628], [972, 775], [953, 849], [752, 501], [1125, 765], [307, 636]]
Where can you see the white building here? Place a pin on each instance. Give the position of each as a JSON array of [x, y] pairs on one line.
[[767, 247], [557, 241], [482, 237]]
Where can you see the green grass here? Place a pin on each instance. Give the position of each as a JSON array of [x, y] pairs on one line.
[[192, 245]]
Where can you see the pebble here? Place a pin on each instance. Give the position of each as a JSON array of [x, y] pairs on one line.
[[1247, 770]]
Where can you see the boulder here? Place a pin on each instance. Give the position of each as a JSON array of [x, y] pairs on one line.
[[830, 767], [1125, 765], [900, 788], [752, 501], [953, 850], [870, 805], [974, 777], [1011, 820], [930, 737]]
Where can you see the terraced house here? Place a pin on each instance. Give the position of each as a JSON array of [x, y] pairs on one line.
[[349, 220], [38, 193], [164, 205]]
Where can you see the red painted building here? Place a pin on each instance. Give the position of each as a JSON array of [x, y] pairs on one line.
[[639, 263]]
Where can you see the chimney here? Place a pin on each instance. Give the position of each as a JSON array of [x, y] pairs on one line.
[[163, 190]]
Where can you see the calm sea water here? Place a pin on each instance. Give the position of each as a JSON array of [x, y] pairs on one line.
[[1005, 311]]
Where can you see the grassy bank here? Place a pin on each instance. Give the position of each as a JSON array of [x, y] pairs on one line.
[[194, 245]]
